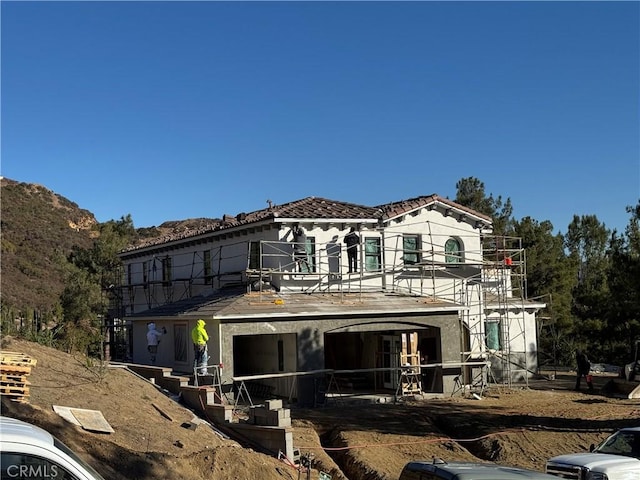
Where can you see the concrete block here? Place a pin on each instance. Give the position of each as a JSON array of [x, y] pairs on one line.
[[190, 425], [273, 404], [149, 372], [220, 413], [283, 422], [273, 418], [198, 397], [173, 383], [271, 438]]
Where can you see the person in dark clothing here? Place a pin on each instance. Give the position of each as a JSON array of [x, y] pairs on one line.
[[352, 240], [300, 255], [583, 369]]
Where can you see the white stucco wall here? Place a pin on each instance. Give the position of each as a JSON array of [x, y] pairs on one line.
[[465, 284]]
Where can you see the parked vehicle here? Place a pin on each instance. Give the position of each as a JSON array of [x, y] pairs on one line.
[[28, 451], [439, 469], [616, 458]]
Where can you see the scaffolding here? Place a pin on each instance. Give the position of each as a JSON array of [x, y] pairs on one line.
[[504, 292], [490, 283]]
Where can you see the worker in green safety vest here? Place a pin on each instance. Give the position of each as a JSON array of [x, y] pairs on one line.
[[200, 338]]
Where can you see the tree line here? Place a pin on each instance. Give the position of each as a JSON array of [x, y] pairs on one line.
[[589, 278]]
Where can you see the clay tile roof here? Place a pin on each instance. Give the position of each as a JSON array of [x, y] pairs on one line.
[[395, 209], [316, 207], [308, 208]]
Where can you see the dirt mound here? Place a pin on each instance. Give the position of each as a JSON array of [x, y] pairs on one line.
[[520, 427], [145, 444]]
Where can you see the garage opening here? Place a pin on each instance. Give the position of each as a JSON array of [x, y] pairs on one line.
[[369, 359], [265, 354]]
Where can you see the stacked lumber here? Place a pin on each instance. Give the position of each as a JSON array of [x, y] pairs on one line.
[[15, 367]]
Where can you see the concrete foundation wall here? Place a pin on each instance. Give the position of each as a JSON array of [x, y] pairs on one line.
[[273, 439]]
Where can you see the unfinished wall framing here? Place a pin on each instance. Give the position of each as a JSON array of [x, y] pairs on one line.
[[489, 283]]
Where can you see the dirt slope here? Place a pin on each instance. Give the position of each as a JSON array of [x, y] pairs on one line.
[[518, 427]]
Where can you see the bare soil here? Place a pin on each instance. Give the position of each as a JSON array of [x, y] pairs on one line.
[[512, 426]]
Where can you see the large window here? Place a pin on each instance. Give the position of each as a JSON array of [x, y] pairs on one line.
[[411, 249], [310, 250], [254, 255], [372, 257], [493, 336], [453, 251]]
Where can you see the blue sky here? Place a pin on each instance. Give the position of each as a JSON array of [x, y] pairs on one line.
[[175, 110]]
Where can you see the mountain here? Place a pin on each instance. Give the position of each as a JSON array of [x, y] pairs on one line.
[[39, 228]]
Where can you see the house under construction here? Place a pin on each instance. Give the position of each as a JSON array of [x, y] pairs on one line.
[[435, 303]]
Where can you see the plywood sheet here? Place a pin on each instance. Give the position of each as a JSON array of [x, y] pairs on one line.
[[91, 420]]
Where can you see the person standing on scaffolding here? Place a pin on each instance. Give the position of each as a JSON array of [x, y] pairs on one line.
[[352, 241], [200, 338], [300, 249]]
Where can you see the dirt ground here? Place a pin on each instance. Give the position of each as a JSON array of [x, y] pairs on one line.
[[514, 426]]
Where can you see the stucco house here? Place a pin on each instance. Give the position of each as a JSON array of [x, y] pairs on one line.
[[276, 309]]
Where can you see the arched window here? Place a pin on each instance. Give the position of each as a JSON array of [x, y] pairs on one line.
[[452, 251]]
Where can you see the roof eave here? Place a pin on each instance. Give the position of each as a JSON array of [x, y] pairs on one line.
[[299, 315], [325, 220]]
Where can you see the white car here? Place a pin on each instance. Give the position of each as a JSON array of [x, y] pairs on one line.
[[617, 458], [29, 452]]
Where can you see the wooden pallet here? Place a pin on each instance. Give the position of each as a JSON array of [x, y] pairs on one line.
[[6, 379], [15, 390], [14, 369], [17, 358]]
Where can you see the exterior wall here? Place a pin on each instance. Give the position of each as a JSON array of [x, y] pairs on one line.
[[432, 278], [329, 259], [518, 357], [167, 349], [310, 334], [435, 228], [140, 353], [228, 255]]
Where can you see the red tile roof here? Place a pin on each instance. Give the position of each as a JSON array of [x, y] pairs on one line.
[[309, 208], [402, 207]]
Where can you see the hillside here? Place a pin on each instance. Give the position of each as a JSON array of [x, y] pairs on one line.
[[39, 229]]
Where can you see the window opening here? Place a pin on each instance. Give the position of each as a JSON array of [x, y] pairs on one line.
[[280, 355], [145, 273], [492, 334], [452, 251], [180, 342], [254, 255], [207, 266], [372, 254], [166, 271], [411, 249]]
